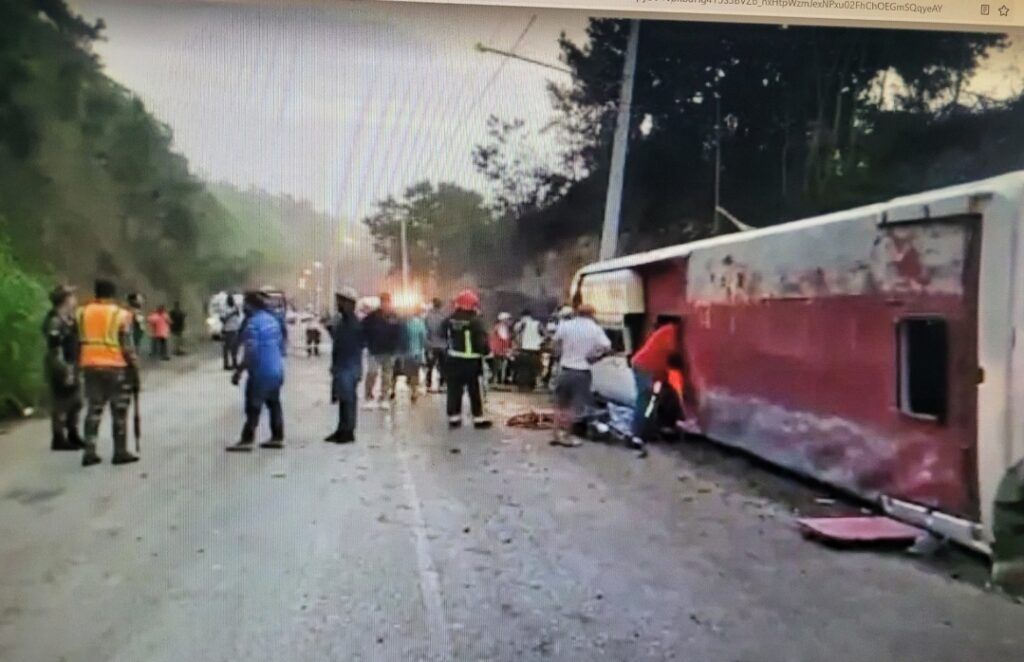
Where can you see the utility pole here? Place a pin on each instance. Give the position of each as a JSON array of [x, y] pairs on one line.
[[620, 144], [405, 257], [716, 227]]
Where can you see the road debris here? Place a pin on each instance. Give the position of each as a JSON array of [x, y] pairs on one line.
[[533, 420]]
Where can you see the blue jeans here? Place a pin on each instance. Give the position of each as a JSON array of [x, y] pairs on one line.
[[344, 391], [644, 392]]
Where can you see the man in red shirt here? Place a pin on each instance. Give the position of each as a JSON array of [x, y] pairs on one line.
[[659, 354]]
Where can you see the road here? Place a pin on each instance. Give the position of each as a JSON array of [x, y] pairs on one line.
[[421, 544]]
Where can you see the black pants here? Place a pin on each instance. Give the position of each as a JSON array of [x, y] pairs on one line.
[[253, 407], [312, 342], [435, 359], [229, 349], [158, 348], [464, 375], [64, 415]]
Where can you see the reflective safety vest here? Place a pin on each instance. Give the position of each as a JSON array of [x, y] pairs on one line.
[[460, 339], [99, 326]]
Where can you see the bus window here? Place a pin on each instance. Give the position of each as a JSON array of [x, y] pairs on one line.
[[634, 323], [618, 338], [923, 347]]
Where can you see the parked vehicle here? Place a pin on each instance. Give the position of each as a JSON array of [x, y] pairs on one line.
[[872, 349]]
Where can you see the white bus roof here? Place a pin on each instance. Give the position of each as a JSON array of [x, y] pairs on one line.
[[947, 201]]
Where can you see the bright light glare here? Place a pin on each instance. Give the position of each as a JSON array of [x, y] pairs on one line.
[[408, 300]]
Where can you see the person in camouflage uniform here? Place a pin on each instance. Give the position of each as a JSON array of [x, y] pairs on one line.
[[110, 369], [62, 375]]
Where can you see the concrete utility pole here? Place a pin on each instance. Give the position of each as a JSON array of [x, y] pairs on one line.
[[716, 227], [620, 145], [405, 258]]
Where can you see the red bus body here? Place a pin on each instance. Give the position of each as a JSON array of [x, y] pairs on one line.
[[800, 341]]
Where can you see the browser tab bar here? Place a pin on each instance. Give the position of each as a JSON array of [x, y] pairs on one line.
[[997, 15]]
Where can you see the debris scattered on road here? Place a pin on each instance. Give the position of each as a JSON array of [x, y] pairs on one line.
[[278, 474], [533, 420], [466, 529], [859, 530], [455, 451]]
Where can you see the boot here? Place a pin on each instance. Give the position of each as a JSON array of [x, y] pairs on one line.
[[333, 437], [75, 439], [60, 443]]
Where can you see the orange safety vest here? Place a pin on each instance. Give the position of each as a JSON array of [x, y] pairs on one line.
[[677, 381], [99, 326]]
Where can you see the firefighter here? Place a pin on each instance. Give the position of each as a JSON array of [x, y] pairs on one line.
[[62, 348], [467, 345], [109, 369]]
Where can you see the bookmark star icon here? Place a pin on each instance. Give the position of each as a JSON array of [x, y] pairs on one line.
[[1004, 11]]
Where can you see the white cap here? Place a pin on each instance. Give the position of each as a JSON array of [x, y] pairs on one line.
[[347, 292]]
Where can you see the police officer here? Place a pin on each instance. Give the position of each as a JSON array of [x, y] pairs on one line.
[[467, 344], [62, 375], [109, 369]]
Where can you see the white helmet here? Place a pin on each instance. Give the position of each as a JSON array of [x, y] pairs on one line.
[[347, 292]]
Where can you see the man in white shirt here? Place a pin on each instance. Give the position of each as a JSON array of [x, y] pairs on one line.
[[528, 340], [579, 343]]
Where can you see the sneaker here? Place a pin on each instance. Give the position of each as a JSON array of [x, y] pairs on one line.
[[482, 423], [566, 442], [637, 443], [454, 422], [273, 443], [240, 447], [90, 459], [128, 458]]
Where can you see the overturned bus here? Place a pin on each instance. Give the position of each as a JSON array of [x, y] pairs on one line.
[[872, 349]]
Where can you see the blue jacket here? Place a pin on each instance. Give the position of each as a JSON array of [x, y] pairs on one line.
[[263, 337]]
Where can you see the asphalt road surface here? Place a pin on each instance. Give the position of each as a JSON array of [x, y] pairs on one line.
[[421, 544]]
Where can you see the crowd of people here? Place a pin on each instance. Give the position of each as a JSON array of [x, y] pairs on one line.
[[94, 348]]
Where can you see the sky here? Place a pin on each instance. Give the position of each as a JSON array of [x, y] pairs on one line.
[[340, 105], [344, 103]]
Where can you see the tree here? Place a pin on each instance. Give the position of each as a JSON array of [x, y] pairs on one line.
[[450, 231], [798, 108]]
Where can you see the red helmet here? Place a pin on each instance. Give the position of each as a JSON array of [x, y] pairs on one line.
[[467, 300]]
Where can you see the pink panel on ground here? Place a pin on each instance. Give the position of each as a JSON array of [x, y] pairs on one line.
[[859, 529]]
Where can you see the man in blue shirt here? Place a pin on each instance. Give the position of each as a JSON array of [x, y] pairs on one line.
[[348, 341], [265, 345]]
